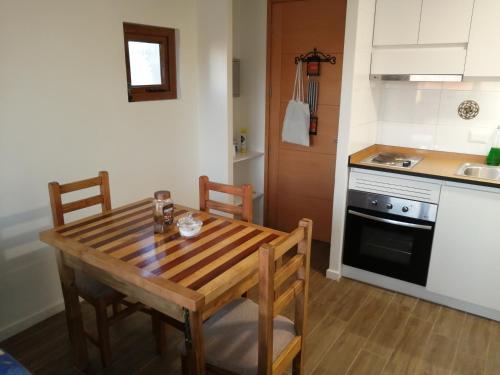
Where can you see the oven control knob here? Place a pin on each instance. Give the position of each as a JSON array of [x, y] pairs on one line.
[[374, 202], [405, 209], [388, 206]]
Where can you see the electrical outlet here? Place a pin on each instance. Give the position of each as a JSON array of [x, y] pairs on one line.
[[480, 136]]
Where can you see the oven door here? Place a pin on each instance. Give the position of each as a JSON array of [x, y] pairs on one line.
[[388, 244]]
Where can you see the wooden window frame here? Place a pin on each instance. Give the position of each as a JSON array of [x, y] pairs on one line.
[[165, 37]]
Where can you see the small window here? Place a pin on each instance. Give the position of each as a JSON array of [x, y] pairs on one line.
[[150, 60]]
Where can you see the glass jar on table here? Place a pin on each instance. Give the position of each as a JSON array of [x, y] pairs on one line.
[[163, 211]]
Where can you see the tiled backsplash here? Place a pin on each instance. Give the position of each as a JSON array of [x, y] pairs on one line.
[[424, 115]]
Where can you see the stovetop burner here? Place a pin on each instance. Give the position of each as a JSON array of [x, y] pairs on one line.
[[393, 159]]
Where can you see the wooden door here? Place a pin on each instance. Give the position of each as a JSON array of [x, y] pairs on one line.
[[300, 180]]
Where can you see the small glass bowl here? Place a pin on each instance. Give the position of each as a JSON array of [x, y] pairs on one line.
[[189, 226]]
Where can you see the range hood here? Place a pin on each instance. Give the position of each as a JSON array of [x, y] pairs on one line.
[[418, 63], [418, 77]]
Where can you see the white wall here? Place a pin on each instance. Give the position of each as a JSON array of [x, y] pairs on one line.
[[424, 115], [236, 55], [64, 115], [250, 46], [252, 32], [365, 94], [359, 104], [215, 117]]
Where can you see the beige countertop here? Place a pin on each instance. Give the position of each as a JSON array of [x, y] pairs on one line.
[[435, 164]]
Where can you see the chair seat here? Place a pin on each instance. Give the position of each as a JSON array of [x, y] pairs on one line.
[[91, 287], [231, 337], [9, 366]]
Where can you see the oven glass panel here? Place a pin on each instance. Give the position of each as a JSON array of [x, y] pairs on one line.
[[386, 245], [386, 248]]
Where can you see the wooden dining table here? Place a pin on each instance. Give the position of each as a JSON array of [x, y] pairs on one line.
[[187, 279]]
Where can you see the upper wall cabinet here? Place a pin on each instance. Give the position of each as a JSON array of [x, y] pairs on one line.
[[396, 22], [435, 60], [483, 54], [421, 36], [445, 21], [410, 22]]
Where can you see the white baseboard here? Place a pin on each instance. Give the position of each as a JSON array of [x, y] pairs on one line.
[[417, 291], [30, 320], [331, 274]]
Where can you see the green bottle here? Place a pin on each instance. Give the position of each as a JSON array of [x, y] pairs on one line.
[[494, 155]]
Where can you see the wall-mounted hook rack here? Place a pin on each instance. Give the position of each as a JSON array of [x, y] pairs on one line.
[[316, 56]]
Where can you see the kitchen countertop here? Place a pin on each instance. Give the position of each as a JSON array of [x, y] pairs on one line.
[[435, 164]]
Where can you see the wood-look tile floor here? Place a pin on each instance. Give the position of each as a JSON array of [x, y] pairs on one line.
[[354, 329]]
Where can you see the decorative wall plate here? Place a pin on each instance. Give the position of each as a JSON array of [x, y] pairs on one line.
[[468, 109]]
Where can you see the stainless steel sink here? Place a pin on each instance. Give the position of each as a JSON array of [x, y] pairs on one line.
[[486, 172]]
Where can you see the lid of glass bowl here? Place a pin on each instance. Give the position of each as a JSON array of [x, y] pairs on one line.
[[189, 221]]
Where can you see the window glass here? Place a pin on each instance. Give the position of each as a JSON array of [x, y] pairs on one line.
[[150, 62], [145, 63]]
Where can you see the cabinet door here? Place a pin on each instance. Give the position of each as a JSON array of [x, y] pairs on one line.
[[396, 22], [423, 60], [445, 21], [465, 261], [483, 53]]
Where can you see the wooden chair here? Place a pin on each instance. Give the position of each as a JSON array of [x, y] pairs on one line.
[[244, 337], [244, 211], [100, 296]]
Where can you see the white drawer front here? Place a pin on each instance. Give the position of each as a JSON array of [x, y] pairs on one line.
[[422, 60]]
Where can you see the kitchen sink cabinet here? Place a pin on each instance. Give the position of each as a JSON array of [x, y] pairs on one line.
[[465, 261]]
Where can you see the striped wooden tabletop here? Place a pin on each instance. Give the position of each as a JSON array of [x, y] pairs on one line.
[[210, 263]]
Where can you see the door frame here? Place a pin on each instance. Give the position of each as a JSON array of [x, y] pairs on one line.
[[268, 109]]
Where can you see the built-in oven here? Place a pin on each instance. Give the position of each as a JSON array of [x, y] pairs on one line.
[[389, 236]]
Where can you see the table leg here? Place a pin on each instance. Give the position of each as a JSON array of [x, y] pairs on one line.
[[73, 313], [194, 342], [159, 332]]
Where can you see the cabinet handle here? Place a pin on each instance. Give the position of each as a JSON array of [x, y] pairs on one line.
[[388, 221], [155, 90]]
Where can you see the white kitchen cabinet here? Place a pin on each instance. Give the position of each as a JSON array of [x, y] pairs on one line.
[[421, 36], [465, 262], [407, 22], [396, 22], [445, 21], [483, 54], [430, 60]]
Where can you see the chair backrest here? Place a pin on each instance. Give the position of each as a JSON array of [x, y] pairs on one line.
[[244, 211], [272, 302], [56, 190]]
